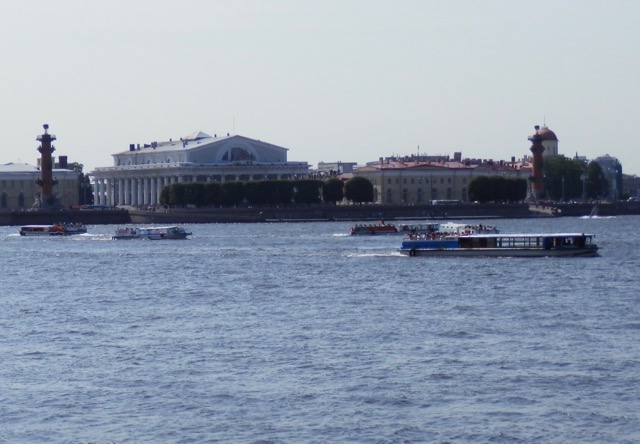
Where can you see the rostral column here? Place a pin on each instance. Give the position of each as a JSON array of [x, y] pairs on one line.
[[46, 181]]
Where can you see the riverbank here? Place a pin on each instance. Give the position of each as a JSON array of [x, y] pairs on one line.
[[380, 212], [316, 213]]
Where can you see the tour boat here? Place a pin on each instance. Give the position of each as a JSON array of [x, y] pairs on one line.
[[60, 229], [511, 245], [152, 233], [372, 229]]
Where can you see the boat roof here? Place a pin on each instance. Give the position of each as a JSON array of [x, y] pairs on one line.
[[529, 235], [158, 228]]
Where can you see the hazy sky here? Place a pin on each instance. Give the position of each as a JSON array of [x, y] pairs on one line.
[[332, 80]]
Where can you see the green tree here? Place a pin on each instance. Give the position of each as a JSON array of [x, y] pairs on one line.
[[84, 183], [283, 192], [333, 191], [268, 192], [231, 193], [195, 193], [255, 193], [358, 189], [177, 193], [517, 190], [497, 189], [211, 194], [597, 184], [165, 195], [563, 177], [480, 189], [307, 191]]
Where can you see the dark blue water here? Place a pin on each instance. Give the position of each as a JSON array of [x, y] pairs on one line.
[[299, 333]]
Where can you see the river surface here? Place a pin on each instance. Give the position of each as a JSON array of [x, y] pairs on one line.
[[299, 333]]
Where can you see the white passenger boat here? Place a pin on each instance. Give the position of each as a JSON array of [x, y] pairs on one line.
[[152, 233], [61, 229], [464, 229], [506, 245]]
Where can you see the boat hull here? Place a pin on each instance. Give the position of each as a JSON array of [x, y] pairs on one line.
[[499, 252], [151, 233], [51, 230], [373, 230], [52, 234]]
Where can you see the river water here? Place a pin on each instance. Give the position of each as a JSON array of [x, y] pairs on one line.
[[297, 332]]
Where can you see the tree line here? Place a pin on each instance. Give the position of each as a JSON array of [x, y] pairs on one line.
[[267, 192], [564, 179]]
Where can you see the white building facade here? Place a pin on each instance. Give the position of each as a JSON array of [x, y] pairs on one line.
[[139, 174]]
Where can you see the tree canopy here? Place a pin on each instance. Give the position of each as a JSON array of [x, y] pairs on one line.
[[333, 191], [497, 189], [358, 189]]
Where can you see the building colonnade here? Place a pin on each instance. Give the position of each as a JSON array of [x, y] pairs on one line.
[[146, 190]]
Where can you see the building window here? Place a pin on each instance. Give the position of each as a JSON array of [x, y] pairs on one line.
[[3, 200], [419, 196], [405, 195], [389, 200], [404, 180], [237, 154], [21, 200], [389, 181]]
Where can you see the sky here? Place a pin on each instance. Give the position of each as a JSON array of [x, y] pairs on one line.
[[331, 80]]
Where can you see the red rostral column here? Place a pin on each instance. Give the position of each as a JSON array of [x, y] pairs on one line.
[[46, 181], [538, 175]]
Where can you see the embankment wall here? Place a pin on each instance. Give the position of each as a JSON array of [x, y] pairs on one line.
[[312, 213]]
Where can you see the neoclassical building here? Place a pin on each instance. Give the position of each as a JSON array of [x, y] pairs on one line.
[[420, 180], [19, 188], [140, 173]]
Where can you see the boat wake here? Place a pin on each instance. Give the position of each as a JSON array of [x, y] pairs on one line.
[[385, 254]]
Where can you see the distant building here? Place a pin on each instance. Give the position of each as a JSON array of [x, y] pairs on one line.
[[412, 180], [334, 168], [140, 173], [549, 140], [19, 188], [631, 185], [612, 170]]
